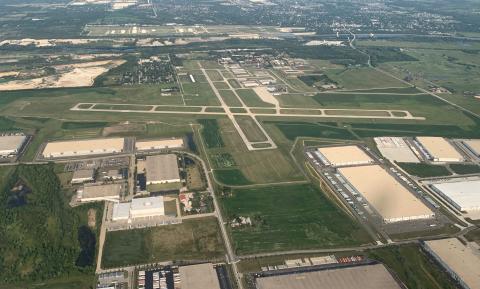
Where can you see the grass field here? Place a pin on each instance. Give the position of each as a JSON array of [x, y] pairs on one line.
[[251, 99], [413, 267], [425, 170], [211, 133], [230, 98], [463, 169], [250, 128], [195, 239], [289, 217], [362, 78], [231, 177], [292, 130]]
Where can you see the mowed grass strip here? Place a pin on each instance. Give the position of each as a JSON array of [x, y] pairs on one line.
[[211, 133], [250, 128], [251, 99], [231, 177], [292, 130], [425, 170], [194, 239], [288, 218]]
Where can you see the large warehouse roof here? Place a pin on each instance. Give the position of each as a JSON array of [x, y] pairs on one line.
[[159, 144], [162, 168], [200, 276], [396, 149], [147, 207], [389, 197], [83, 147], [440, 149], [345, 155], [10, 144], [473, 145], [101, 192], [463, 260], [464, 195], [368, 276]]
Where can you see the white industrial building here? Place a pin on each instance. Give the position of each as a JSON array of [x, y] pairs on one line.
[[74, 148], [162, 169], [473, 145], [10, 145], [464, 195], [83, 176], [95, 193], [396, 149], [438, 149], [159, 144], [200, 276], [339, 156], [139, 208]]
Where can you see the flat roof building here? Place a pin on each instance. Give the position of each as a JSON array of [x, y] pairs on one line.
[[374, 276], [464, 195], [396, 149], [94, 192], [11, 144], [439, 149], [344, 156], [121, 211], [393, 201], [201, 276], [83, 176], [162, 169], [473, 146], [147, 207], [159, 144], [74, 148], [461, 261]]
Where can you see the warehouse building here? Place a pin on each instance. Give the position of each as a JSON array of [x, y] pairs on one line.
[[374, 276], [201, 276], [10, 145], [438, 149], [94, 193], [83, 176], [464, 195], [396, 149], [160, 144], [387, 196], [83, 147], [473, 145], [161, 169], [139, 208], [462, 261], [344, 156]]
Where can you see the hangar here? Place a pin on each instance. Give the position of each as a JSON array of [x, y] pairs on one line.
[[389, 197], [473, 146], [199, 276], [11, 144], [74, 148], [159, 144], [374, 276], [439, 149], [396, 149], [460, 260], [94, 192], [464, 195], [344, 156], [162, 169]]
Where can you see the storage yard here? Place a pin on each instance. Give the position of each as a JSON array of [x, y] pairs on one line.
[[438, 149], [389, 198], [396, 149], [344, 156], [374, 276], [89, 147], [463, 194], [460, 260]]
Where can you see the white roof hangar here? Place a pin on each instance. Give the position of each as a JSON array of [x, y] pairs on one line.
[[439, 149], [74, 148], [11, 144], [396, 149], [344, 156], [393, 201], [162, 169], [464, 195]]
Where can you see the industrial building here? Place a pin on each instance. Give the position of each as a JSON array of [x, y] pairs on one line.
[[139, 208], [159, 144], [10, 145], [83, 176], [83, 147], [438, 149], [161, 169], [464, 194], [374, 276], [344, 156], [393, 201], [94, 192], [473, 145], [396, 149], [460, 260], [199, 276]]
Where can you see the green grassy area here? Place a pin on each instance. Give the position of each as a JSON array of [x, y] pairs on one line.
[[413, 267], [211, 133], [362, 78], [214, 75], [251, 99], [194, 239], [231, 177], [288, 218], [292, 130], [221, 85], [463, 169], [82, 125], [425, 170], [250, 128], [230, 98]]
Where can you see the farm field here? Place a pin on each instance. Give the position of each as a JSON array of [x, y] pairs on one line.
[[289, 217], [190, 240]]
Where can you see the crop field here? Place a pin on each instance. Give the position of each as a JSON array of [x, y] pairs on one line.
[[191, 240], [289, 217]]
